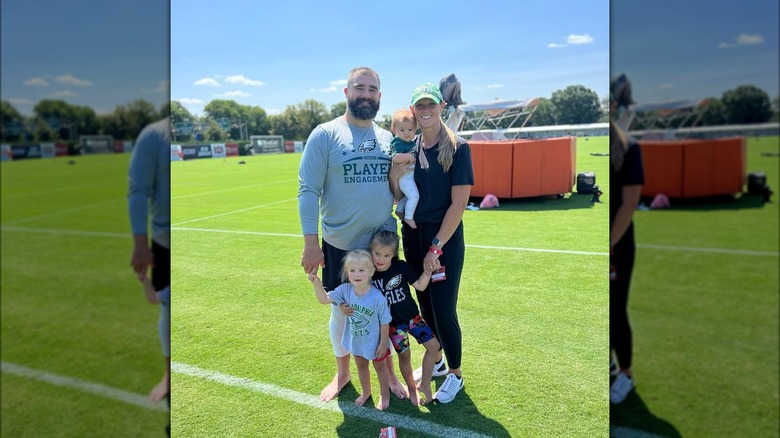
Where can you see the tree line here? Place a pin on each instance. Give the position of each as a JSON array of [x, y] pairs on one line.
[[56, 120], [227, 120]]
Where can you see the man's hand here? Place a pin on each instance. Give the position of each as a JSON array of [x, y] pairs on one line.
[[142, 256], [313, 257]]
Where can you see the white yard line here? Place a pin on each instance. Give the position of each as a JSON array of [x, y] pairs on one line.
[[346, 408], [235, 211], [84, 386], [709, 250], [61, 212], [502, 248], [232, 189], [67, 232]]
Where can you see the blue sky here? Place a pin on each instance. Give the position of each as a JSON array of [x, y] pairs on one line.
[[276, 54], [86, 52], [678, 50]]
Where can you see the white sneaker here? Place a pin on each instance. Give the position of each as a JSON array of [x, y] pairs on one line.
[[449, 389], [439, 369], [620, 388]]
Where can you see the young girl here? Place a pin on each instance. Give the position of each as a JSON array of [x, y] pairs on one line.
[[392, 278], [367, 335]]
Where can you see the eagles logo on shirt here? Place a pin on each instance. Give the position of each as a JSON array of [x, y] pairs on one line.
[[367, 145], [394, 282]]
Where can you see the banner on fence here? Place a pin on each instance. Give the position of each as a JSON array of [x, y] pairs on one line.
[[218, 150], [266, 144], [231, 149], [176, 152]]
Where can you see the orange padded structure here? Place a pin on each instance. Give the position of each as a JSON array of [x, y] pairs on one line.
[[694, 168], [523, 168]]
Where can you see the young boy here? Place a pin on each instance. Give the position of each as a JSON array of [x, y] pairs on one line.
[[392, 278], [404, 128], [367, 334]]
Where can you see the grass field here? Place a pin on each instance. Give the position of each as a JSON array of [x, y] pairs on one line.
[[250, 341], [250, 344], [704, 311], [73, 314]]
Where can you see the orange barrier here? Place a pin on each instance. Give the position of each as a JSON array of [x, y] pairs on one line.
[[694, 168], [523, 168]]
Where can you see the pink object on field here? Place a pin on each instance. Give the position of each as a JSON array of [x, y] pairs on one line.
[[660, 201], [490, 201]]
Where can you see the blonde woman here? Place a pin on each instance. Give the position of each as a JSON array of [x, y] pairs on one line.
[[626, 176], [444, 176]]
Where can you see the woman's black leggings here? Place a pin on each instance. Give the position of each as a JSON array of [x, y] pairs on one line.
[[438, 304], [619, 328]]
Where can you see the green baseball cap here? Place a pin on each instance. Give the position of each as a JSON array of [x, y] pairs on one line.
[[426, 90]]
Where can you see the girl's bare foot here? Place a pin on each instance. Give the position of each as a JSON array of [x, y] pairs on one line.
[[411, 223], [334, 388], [384, 402], [428, 395], [414, 397], [398, 389], [160, 391], [360, 401]]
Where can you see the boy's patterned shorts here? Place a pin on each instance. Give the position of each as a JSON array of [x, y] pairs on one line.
[[399, 335]]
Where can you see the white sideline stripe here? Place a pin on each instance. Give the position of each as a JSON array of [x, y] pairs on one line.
[[61, 212], [231, 189], [560, 251], [68, 232], [254, 233], [627, 432], [710, 250], [84, 386], [347, 408], [236, 211], [259, 233], [44, 192]]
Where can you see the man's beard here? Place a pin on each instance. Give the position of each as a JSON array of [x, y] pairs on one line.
[[363, 112]]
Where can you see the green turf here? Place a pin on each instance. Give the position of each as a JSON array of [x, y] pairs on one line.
[[534, 323], [70, 303], [705, 324]]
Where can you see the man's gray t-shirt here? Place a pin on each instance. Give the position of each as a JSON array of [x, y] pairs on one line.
[[362, 333], [343, 180]]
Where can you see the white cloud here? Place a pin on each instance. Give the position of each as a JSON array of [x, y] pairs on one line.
[[743, 40], [330, 89], [579, 39], [162, 87], [242, 80], [750, 39], [20, 101], [64, 93], [72, 80], [234, 93], [339, 82], [190, 101], [209, 82], [556, 45], [38, 82], [273, 111], [496, 86]]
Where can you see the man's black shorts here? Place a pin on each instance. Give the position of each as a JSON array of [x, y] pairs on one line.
[[161, 273]]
